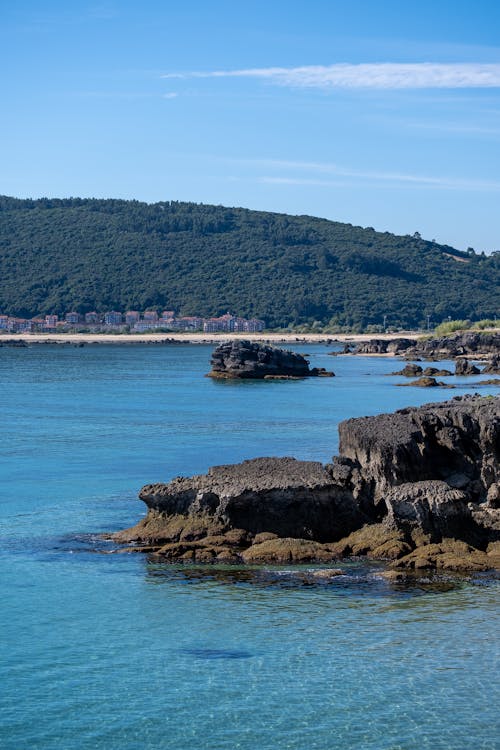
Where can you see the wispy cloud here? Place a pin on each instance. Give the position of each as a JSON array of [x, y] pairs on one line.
[[381, 178], [424, 75]]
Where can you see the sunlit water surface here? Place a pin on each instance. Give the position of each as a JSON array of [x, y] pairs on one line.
[[104, 651]]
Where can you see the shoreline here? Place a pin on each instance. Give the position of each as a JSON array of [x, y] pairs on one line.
[[198, 338]]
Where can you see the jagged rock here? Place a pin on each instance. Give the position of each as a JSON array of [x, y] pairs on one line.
[[247, 359], [435, 441], [493, 495], [469, 343], [383, 346], [280, 495], [493, 366], [425, 382], [402, 482], [431, 506], [464, 367], [434, 372], [460, 344], [409, 371], [486, 522]]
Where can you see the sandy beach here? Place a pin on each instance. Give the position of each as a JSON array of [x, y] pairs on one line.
[[195, 338]]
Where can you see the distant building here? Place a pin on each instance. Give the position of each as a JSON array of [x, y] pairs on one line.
[[146, 325], [92, 318], [37, 324], [73, 318], [189, 323], [254, 325], [151, 316], [4, 321], [225, 322], [167, 320], [113, 318], [132, 317], [18, 325], [51, 322]]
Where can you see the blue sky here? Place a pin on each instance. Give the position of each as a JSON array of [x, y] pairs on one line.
[[383, 114]]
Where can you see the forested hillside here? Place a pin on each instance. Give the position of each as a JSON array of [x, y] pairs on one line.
[[83, 254]]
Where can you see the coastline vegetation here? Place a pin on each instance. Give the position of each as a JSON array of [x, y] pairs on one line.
[[454, 326], [87, 254]]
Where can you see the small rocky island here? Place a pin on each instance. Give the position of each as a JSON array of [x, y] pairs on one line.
[[248, 359], [419, 487]]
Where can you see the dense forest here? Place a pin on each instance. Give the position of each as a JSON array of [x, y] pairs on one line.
[[88, 254]]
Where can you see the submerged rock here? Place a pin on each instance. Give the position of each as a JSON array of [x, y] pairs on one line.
[[288, 550], [426, 382]]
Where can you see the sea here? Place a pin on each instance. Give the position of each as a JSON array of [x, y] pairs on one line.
[[105, 650]]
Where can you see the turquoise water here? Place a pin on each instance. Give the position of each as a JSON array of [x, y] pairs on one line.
[[117, 651]]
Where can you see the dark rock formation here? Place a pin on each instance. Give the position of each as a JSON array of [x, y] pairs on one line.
[[470, 343], [383, 346], [421, 478], [283, 496], [456, 441], [432, 372], [493, 366], [427, 383], [409, 371], [247, 359], [464, 367]]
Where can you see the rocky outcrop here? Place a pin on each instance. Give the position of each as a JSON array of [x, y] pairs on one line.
[[281, 496], [410, 370], [464, 367], [416, 478], [432, 372], [383, 346], [493, 366], [247, 359], [468, 343], [427, 383], [456, 441]]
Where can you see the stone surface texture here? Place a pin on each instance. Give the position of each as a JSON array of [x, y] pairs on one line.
[[248, 359], [420, 486]]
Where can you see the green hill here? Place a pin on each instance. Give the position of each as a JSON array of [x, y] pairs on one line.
[[85, 254]]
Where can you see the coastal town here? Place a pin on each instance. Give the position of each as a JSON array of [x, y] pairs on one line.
[[131, 321]]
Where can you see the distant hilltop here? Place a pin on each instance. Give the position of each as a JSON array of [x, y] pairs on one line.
[[88, 255], [132, 320]]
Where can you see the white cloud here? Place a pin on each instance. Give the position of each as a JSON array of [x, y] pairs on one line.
[[170, 95], [369, 75], [381, 178]]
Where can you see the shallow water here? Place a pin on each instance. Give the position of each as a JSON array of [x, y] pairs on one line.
[[118, 651]]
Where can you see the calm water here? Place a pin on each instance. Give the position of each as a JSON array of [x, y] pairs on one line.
[[116, 651]]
